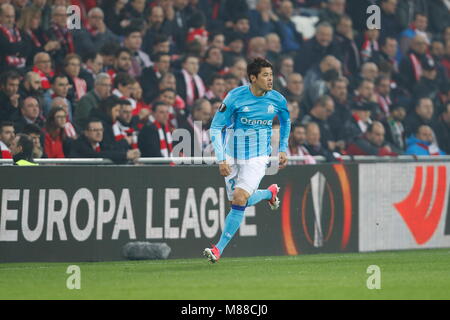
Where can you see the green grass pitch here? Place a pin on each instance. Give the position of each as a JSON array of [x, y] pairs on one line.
[[418, 274]]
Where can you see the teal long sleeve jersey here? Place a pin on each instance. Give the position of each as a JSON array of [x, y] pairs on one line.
[[242, 127]]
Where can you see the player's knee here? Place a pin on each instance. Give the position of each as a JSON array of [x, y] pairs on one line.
[[240, 197]]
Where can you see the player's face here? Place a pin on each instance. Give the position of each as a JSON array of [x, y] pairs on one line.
[[265, 79]]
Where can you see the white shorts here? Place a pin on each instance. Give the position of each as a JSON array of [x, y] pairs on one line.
[[245, 174]]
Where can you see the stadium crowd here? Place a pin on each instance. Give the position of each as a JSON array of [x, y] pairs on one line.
[[136, 70]]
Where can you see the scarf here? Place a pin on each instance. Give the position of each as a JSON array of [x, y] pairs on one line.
[[69, 130], [45, 82], [80, 87], [119, 94], [200, 135], [368, 47], [397, 132], [417, 66], [6, 153], [190, 88], [64, 36], [432, 149], [121, 131], [384, 103], [34, 38], [13, 37], [361, 124]]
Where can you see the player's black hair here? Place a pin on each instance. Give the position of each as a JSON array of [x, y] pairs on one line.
[[254, 67]]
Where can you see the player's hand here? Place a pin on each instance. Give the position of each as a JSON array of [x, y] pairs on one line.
[[224, 169], [283, 160]]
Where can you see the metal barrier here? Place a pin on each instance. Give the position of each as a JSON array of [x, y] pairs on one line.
[[293, 160]]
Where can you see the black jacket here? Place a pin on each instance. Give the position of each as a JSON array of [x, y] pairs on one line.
[[81, 148]]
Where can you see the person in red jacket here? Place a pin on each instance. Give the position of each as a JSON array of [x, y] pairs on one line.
[[56, 141], [371, 143]]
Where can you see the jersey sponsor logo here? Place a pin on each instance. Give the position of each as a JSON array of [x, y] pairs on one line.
[[251, 122], [222, 107]]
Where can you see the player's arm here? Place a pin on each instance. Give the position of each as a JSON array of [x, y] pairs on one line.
[[221, 120], [285, 129]]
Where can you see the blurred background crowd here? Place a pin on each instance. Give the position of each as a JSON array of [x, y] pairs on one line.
[[136, 70]]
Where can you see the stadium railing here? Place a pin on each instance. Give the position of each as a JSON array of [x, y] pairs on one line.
[[293, 160]]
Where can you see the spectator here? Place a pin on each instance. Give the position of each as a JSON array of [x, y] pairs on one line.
[[418, 27], [136, 95], [91, 67], [60, 88], [383, 94], [262, 19], [342, 112], [314, 50], [155, 139], [212, 64], [313, 144], [197, 126], [446, 59], [428, 85], [216, 39], [359, 122], [124, 128], [9, 95], [285, 67], [257, 48], [115, 15], [124, 85], [31, 86], [372, 143], [322, 109], [390, 26], [43, 67], [29, 112], [294, 110], [234, 49], [216, 89], [22, 150], [139, 59], [102, 90], [91, 145], [333, 12], [108, 112], [297, 140], [422, 115], [94, 35], [59, 32], [34, 35], [369, 44], [239, 69], [122, 62], [295, 88], [13, 54], [291, 39], [273, 46], [395, 131], [406, 11], [57, 144], [169, 81], [108, 53], [421, 143], [387, 53], [317, 77], [157, 24], [231, 82], [46, 10], [168, 97], [7, 135], [439, 15], [35, 133], [72, 67], [412, 64], [152, 75], [190, 86], [443, 129], [351, 59]]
